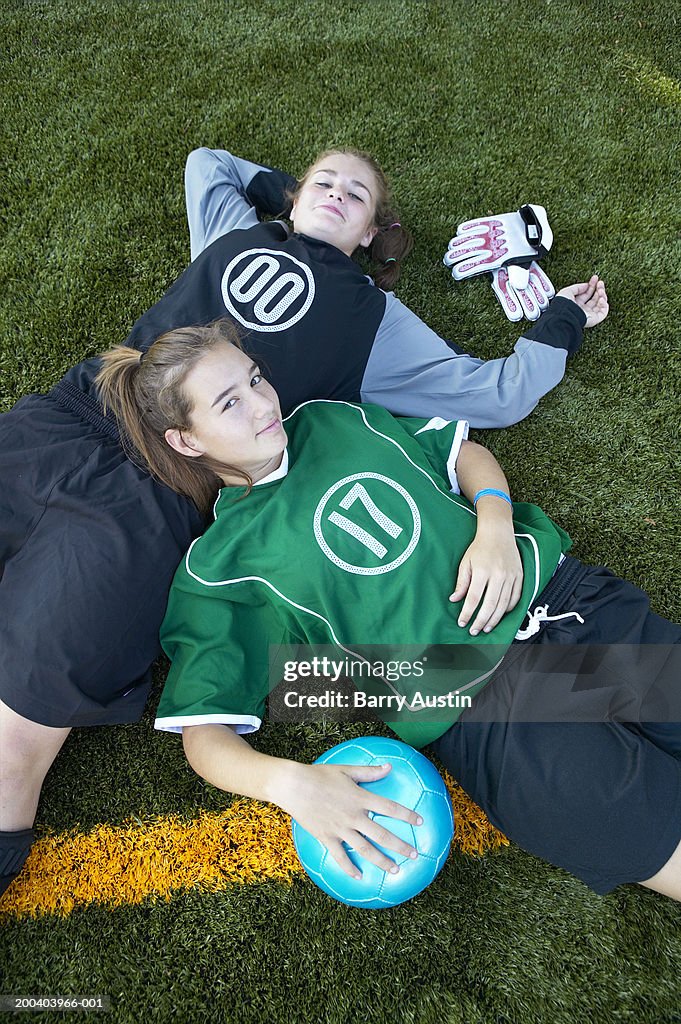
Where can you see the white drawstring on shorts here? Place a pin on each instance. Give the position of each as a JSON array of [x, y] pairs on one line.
[[539, 615]]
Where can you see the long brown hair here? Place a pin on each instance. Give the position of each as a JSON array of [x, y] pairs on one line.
[[145, 391], [392, 243]]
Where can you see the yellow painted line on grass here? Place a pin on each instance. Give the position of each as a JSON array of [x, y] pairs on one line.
[[125, 864], [648, 78]]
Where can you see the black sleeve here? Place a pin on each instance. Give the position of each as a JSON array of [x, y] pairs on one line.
[[561, 326], [267, 191]]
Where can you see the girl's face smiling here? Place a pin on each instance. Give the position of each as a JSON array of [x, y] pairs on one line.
[[337, 203], [236, 417]]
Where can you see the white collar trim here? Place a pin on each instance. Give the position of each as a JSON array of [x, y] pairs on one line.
[[276, 474]]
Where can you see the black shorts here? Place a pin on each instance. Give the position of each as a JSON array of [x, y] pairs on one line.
[[574, 751], [89, 543]]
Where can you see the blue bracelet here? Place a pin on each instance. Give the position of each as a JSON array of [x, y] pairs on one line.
[[495, 492]]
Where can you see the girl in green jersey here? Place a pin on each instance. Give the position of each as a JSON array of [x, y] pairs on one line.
[[344, 525]]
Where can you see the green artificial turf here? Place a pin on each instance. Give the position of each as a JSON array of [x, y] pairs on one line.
[[471, 108]]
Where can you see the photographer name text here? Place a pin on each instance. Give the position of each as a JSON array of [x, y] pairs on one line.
[[375, 702]]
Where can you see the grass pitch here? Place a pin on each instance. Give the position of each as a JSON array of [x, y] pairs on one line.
[[471, 108]]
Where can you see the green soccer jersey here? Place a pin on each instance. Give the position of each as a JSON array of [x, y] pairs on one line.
[[355, 542]]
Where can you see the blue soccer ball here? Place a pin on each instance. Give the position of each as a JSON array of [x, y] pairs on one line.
[[413, 781]]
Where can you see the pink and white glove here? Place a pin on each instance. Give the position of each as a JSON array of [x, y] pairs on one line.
[[487, 243], [507, 246], [522, 291]]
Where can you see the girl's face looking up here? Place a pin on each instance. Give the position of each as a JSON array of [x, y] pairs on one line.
[[236, 417], [337, 203]]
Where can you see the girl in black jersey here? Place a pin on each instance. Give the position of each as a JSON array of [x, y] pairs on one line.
[[89, 541]]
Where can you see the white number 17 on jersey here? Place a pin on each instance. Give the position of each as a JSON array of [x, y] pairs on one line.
[[359, 493]]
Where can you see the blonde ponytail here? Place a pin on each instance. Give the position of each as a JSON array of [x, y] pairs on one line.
[[146, 394]]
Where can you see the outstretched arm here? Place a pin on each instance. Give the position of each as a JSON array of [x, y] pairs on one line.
[[324, 799], [490, 574], [412, 372]]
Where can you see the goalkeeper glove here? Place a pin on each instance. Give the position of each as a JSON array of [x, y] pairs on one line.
[[522, 291], [507, 246]]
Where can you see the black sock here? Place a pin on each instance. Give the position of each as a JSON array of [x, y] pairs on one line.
[[14, 849]]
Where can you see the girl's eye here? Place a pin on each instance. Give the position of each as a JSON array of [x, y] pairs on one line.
[[256, 380], [353, 195], [229, 403], [322, 184]]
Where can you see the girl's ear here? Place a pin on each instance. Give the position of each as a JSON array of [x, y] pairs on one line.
[[369, 237], [183, 445]]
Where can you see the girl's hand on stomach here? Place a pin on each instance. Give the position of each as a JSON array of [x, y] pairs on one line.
[[491, 576]]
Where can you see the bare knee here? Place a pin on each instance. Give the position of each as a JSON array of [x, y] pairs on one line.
[[668, 878], [27, 749]]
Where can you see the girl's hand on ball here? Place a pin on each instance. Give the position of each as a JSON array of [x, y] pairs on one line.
[[327, 802]]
